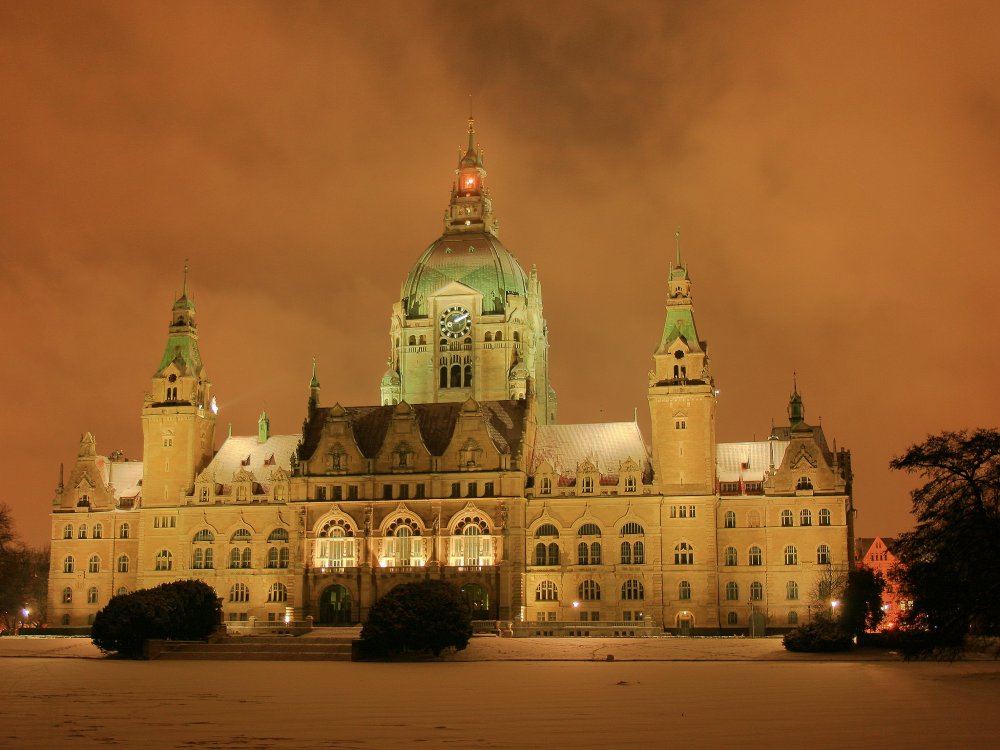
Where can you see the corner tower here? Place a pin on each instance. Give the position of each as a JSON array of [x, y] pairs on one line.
[[178, 414], [469, 321], [682, 397]]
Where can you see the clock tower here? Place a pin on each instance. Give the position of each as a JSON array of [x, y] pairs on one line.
[[469, 321]]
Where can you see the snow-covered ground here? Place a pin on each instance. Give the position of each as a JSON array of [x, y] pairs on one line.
[[568, 696]]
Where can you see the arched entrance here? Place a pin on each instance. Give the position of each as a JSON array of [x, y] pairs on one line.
[[758, 624], [335, 606], [478, 599], [684, 623]]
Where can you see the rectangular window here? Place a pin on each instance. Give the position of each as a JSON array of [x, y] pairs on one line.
[[352, 492], [456, 489], [421, 492], [321, 493], [338, 492], [387, 492], [472, 490], [488, 489], [673, 511], [680, 424], [404, 492], [552, 616], [691, 511], [627, 616]]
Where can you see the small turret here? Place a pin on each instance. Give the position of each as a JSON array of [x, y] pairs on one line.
[[263, 428], [313, 391]]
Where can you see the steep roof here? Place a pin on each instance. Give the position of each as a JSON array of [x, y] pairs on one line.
[[748, 461], [125, 477], [245, 452], [607, 445]]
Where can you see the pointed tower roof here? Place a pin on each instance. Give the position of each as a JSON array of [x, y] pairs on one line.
[[182, 337], [473, 155], [314, 381], [796, 409], [679, 322]]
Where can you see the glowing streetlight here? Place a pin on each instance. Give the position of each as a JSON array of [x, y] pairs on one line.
[[834, 604], [576, 604], [25, 612]]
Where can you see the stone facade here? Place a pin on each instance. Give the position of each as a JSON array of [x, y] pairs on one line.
[[462, 472]]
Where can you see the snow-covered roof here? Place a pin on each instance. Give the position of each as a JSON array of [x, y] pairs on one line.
[[748, 461], [125, 477], [566, 446], [246, 452]]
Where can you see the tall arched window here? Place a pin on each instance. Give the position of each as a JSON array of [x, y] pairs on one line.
[[92, 595], [67, 596], [123, 564], [277, 593], [456, 376], [444, 377], [468, 376], [545, 486], [82, 533], [683, 554], [791, 555], [540, 554], [123, 531], [68, 531], [731, 556], [791, 590], [824, 517], [823, 554], [595, 553], [730, 519], [732, 591], [757, 591], [98, 531], [94, 564], [684, 590], [164, 560], [546, 591], [239, 593], [553, 553], [755, 556], [590, 591], [68, 564], [626, 553], [582, 553], [786, 517], [805, 517], [633, 590]]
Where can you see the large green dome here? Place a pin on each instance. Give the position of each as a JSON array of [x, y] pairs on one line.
[[476, 259]]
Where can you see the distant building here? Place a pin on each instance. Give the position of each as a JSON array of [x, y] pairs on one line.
[[876, 554], [463, 473]]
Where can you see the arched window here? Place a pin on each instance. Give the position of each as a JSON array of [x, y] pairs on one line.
[[489, 336], [92, 595], [67, 596], [805, 517], [793, 618], [732, 557], [412, 341], [633, 590], [68, 531], [467, 382], [756, 591], [753, 519], [545, 486], [553, 553], [638, 553], [456, 376], [732, 618], [68, 564], [730, 519], [732, 591], [277, 593], [245, 559], [626, 553], [786, 517], [209, 558], [823, 554], [755, 556], [824, 517], [198, 559], [94, 564], [98, 531], [241, 535], [684, 590], [498, 336], [582, 553], [122, 591], [123, 531], [205, 535], [540, 554], [516, 336], [444, 377], [791, 555], [595, 553], [82, 533], [164, 560], [239, 593], [632, 528], [336, 546], [589, 529], [278, 535], [590, 591], [683, 554], [546, 529], [791, 590], [123, 564], [234, 557], [546, 591], [804, 483]]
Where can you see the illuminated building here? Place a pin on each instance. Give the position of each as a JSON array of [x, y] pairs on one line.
[[462, 472], [876, 554]]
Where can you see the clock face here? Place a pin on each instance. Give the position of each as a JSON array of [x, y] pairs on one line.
[[455, 322]]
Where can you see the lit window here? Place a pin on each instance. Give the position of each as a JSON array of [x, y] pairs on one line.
[[546, 591], [67, 595]]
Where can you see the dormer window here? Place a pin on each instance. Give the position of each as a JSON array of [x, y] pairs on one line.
[[587, 486], [630, 484], [545, 486]]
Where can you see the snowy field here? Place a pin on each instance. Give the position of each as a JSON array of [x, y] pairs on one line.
[[560, 693]]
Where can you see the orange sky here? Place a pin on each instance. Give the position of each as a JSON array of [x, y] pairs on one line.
[[835, 170]]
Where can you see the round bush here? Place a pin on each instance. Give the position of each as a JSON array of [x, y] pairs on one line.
[[417, 618], [817, 636], [181, 610]]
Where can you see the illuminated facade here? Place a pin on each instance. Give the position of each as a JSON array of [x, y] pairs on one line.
[[462, 473], [876, 554]]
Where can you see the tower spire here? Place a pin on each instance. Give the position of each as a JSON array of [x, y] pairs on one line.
[[677, 237], [184, 288]]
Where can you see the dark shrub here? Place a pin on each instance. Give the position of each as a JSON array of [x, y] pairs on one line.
[[182, 610], [417, 618], [817, 636]]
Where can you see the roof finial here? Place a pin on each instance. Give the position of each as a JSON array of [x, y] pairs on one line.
[[795, 382], [184, 289], [314, 382], [677, 237]]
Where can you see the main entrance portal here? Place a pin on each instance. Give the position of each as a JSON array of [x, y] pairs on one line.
[[335, 606]]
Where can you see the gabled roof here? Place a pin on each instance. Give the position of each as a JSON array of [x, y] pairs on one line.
[[125, 477], [863, 545], [566, 446], [748, 461]]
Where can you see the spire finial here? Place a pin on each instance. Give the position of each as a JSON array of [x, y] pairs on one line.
[[184, 289], [314, 382], [677, 238], [795, 382]]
